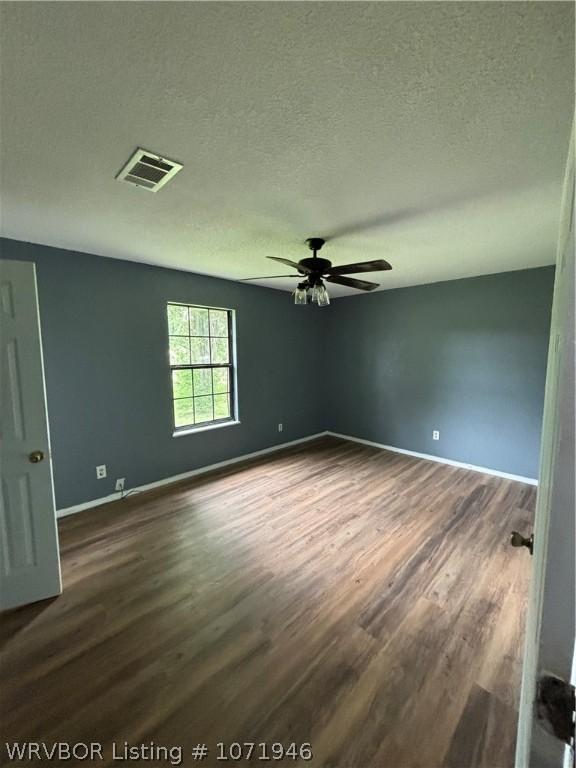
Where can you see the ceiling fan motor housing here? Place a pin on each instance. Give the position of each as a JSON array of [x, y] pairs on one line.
[[315, 265]]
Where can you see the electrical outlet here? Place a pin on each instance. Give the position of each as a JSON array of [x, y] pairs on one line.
[[280, 427], [101, 471], [435, 435], [120, 483]]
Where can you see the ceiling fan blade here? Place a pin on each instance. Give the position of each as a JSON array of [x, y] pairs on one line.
[[363, 266], [302, 270], [265, 277], [351, 282]]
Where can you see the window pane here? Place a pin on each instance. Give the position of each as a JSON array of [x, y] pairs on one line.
[[199, 336], [220, 380], [179, 350], [198, 322], [219, 350], [182, 383], [184, 412], [200, 349], [202, 381], [218, 322], [203, 409], [177, 320], [221, 407]]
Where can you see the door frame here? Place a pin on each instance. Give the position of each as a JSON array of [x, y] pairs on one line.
[[550, 625]]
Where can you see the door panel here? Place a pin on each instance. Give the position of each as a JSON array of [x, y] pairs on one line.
[[30, 562]]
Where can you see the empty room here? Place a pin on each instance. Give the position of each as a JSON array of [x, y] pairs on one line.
[[287, 384]]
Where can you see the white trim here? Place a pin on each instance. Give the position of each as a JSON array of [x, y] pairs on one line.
[[192, 473], [194, 430], [438, 459], [201, 470], [568, 762]]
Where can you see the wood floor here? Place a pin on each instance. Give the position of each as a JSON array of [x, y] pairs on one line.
[[363, 601]]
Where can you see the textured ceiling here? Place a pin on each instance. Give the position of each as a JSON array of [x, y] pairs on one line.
[[433, 135]]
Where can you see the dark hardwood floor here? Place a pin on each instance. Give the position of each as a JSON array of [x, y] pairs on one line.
[[363, 601]]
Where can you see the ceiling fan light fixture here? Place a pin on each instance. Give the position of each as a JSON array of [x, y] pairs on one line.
[[320, 295], [301, 294]]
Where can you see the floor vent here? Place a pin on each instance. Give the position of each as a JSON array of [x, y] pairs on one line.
[[148, 171]]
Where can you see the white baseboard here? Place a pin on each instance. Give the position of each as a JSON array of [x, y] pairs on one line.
[[438, 459], [184, 475], [202, 470]]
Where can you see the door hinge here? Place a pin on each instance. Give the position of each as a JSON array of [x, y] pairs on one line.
[[555, 706]]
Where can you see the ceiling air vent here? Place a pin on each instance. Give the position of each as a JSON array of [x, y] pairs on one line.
[[148, 171]]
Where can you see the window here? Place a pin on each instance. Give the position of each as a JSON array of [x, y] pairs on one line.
[[201, 363]]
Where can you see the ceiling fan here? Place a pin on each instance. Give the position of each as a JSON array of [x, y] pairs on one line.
[[315, 270]]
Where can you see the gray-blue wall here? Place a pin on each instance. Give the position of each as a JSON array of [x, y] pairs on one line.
[[466, 357], [107, 378]]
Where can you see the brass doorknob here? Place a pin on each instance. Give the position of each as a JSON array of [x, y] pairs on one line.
[[517, 540], [35, 457]]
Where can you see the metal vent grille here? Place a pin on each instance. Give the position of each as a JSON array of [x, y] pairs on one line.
[[148, 171]]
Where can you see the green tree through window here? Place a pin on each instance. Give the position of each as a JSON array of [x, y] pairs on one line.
[[201, 365]]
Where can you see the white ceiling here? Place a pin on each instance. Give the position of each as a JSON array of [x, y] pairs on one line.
[[433, 135]]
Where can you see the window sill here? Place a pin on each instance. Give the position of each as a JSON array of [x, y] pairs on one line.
[[195, 430]]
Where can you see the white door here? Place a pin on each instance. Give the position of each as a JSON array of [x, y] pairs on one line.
[[30, 560], [550, 633]]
